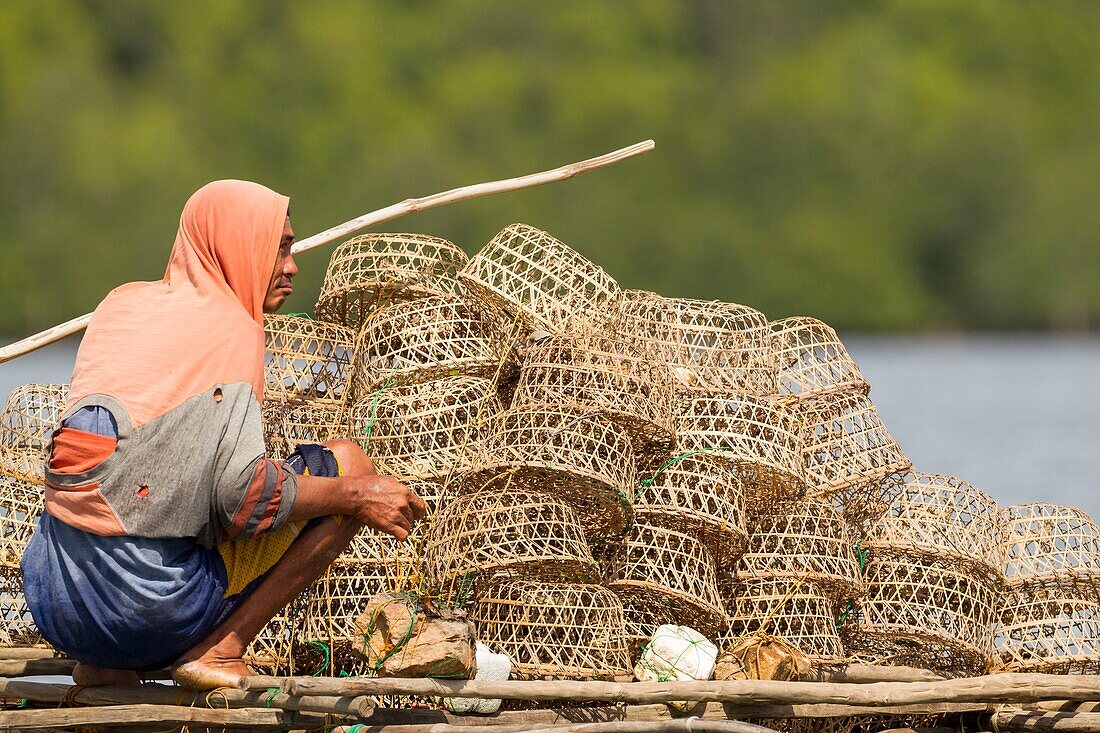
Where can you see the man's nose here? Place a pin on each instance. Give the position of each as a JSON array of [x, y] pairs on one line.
[[290, 267]]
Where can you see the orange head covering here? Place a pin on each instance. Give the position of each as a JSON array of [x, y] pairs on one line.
[[153, 345]]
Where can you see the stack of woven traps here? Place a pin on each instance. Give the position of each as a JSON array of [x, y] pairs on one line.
[[307, 365], [402, 361], [797, 581], [556, 471], [847, 454], [933, 579], [29, 418], [816, 463], [1050, 618], [691, 498]]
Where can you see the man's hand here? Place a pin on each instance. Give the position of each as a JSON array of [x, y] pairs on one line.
[[385, 504]]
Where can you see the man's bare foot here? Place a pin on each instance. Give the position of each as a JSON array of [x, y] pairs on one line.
[[209, 673], [89, 676]]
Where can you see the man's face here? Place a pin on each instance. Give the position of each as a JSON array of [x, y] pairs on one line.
[[285, 269]]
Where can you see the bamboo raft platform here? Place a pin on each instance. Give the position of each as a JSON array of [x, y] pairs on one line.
[[995, 702]]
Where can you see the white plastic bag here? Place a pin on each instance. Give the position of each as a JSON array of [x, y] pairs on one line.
[[490, 666], [674, 654]]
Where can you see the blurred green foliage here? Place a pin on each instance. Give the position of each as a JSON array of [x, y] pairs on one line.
[[882, 165]]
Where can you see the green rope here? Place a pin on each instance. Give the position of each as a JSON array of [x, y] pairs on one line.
[[844, 616], [374, 412], [301, 314], [465, 585], [401, 642], [327, 664], [863, 556], [670, 463], [411, 605], [271, 693], [355, 728]]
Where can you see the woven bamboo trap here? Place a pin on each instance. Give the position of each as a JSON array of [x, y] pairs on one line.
[[942, 518], [425, 430], [792, 609], [1049, 633], [846, 448], [375, 269], [401, 561], [556, 630], [327, 640], [655, 564], [759, 437], [813, 361], [602, 373], [510, 532], [20, 508], [30, 416], [429, 338], [573, 454], [805, 539], [643, 613], [701, 495], [1051, 546], [712, 347], [272, 651], [17, 628], [920, 612], [544, 283], [288, 424], [306, 359]]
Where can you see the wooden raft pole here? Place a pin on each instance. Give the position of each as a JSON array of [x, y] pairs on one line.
[[117, 715], [675, 725], [155, 694], [379, 719], [24, 667], [991, 689], [393, 211], [1021, 720], [26, 653]]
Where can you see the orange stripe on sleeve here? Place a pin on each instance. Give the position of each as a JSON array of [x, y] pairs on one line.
[[248, 504]]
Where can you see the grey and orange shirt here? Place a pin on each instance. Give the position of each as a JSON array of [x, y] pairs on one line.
[[197, 471]]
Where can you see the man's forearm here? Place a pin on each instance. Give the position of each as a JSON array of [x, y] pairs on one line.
[[321, 497]]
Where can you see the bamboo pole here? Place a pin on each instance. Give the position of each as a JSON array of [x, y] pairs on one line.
[[25, 667], [673, 725], [864, 673], [361, 709], [1018, 720], [544, 717], [1065, 706], [26, 652], [155, 694], [676, 725], [998, 688], [122, 715], [393, 211]]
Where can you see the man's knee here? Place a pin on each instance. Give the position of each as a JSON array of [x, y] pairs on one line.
[[353, 461]]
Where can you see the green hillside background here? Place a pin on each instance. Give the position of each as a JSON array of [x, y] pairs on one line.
[[911, 165]]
